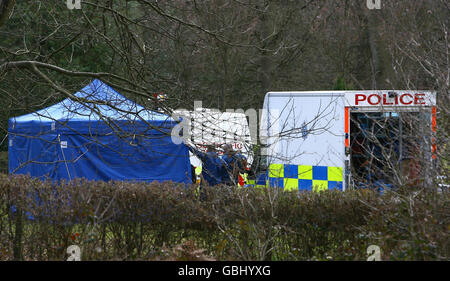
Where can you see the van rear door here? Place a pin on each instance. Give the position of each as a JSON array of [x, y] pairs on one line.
[[305, 129]]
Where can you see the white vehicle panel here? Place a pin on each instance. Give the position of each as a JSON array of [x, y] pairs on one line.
[[305, 128]]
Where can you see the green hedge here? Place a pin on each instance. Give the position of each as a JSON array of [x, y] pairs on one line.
[[166, 221], [4, 162]]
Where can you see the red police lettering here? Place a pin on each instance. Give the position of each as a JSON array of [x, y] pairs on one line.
[[403, 102], [396, 100], [359, 98], [418, 99], [370, 99], [404, 99], [385, 102]]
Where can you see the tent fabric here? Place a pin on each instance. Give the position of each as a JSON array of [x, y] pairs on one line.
[[98, 135], [97, 102]]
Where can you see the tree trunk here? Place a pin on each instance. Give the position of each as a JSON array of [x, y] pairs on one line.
[[17, 248], [5, 10], [375, 60]]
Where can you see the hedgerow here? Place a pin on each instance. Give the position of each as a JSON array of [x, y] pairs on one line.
[[116, 220]]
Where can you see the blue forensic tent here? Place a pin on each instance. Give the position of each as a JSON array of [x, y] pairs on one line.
[[97, 134]]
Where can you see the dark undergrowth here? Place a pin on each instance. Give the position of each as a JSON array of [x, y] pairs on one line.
[[165, 221]]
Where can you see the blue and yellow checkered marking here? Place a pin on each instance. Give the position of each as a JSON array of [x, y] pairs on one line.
[[304, 177], [260, 181]]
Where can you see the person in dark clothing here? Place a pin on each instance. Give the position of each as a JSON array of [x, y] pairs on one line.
[[211, 165], [193, 175], [235, 163]]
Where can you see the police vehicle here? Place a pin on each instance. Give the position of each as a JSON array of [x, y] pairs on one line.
[[316, 140]]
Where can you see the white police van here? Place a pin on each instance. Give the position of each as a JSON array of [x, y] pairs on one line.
[[319, 140]]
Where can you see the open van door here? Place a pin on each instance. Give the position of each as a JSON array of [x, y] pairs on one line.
[[387, 133]]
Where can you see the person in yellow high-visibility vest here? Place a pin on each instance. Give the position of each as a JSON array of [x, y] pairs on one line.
[[243, 179], [198, 172]]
